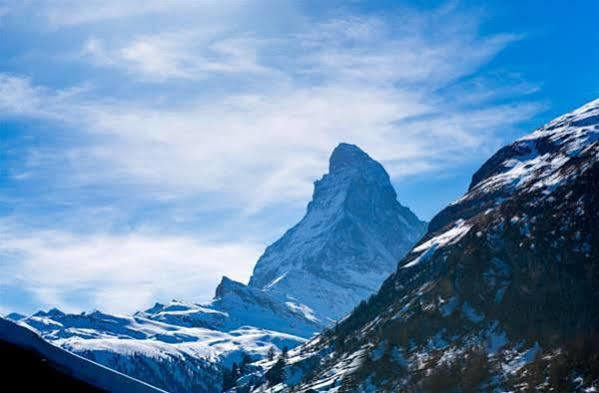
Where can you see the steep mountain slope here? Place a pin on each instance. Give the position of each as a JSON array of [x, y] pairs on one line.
[[28, 363], [502, 294], [349, 241]]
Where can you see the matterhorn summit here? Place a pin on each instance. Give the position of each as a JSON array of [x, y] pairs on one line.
[[351, 238]]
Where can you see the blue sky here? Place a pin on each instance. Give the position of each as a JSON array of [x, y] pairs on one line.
[[149, 148]]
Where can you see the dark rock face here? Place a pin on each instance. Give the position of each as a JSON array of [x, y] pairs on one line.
[[31, 372], [501, 294], [350, 239], [28, 363]]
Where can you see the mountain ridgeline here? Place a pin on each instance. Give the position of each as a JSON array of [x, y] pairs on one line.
[[501, 294]]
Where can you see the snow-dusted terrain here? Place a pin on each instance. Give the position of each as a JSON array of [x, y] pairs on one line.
[[236, 305], [351, 238], [174, 346], [501, 295]]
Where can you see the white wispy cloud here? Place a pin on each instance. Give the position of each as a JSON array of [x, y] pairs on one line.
[[18, 96], [257, 150], [62, 14], [119, 272], [193, 55], [346, 80], [246, 117]]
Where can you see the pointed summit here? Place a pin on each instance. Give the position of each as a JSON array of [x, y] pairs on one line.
[[349, 241], [350, 156], [350, 159], [354, 181]]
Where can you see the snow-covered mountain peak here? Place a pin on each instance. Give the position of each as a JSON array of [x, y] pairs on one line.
[[352, 174], [562, 138], [350, 239], [350, 157]]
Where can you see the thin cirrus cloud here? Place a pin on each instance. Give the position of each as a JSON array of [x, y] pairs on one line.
[[120, 273], [63, 14], [349, 80], [170, 55], [247, 117]]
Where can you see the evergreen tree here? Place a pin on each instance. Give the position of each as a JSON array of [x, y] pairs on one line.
[[277, 373], [230, 376], [227, 380], [245, 360]]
